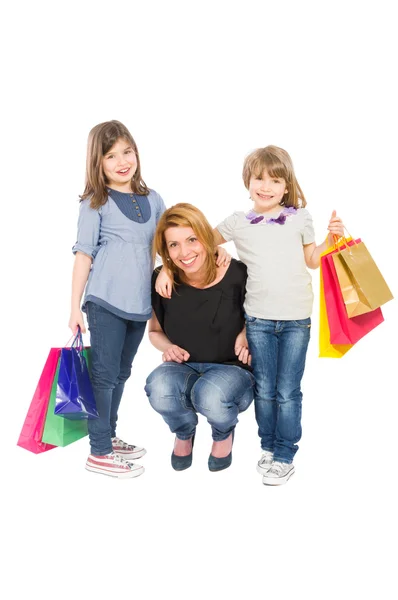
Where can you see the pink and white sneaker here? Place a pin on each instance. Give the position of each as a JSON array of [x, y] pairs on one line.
[[113, 465], [127, 451]]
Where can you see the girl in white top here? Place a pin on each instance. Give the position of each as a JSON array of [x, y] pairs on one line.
[[276, 241]]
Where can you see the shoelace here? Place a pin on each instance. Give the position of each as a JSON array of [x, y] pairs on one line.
[[124, 445], [277, 467], [266, 458], [119, 459]]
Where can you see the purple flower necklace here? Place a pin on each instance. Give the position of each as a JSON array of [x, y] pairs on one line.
[[254, 218]]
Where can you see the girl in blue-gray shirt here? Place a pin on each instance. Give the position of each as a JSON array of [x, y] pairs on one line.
[[117, 221]]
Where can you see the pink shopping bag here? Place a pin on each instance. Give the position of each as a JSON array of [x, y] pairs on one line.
[[32, 430], [326, 348], [344, 330]]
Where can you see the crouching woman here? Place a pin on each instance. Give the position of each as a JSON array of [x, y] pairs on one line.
[[200, 332]]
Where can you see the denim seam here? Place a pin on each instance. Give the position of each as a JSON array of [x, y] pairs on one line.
[[184, 395]]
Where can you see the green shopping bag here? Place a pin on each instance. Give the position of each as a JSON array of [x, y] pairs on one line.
[[60, 431]]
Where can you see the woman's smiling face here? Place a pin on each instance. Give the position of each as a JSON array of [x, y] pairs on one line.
[[185, 250]]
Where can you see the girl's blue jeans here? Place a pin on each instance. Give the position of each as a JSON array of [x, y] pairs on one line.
[[278, 350], [114, 343], [219, 392]]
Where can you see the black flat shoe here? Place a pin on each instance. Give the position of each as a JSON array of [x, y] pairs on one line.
[[219, 464], [180, 463]]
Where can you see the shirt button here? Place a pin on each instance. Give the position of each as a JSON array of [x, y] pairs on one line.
[[134, 201], [139, 214]]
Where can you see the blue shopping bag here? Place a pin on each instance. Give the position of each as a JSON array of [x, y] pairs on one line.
[[75, 396]]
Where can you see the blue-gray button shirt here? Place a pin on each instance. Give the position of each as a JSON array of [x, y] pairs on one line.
[[118, 237]]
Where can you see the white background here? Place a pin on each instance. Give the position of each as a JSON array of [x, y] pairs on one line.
[[200, 85]]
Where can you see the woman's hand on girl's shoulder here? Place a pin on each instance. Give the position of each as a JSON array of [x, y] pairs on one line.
[[175, 354], [77, 320], [163, 284]]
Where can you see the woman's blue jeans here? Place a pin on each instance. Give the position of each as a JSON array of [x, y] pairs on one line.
[[278, 350], [114, 343], [219, 392]]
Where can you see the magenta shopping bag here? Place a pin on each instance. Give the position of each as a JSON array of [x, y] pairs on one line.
[[32, 430], [344, 330]]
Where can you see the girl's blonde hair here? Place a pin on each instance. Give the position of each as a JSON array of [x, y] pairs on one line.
[[186, 215], [278, 164], [100, 140]]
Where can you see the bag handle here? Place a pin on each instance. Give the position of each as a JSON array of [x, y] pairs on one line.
[[78, 341], [343, 240], [78, 337]]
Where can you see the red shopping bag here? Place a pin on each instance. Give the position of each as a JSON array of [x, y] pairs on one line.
[[32, 430], [344, 330]]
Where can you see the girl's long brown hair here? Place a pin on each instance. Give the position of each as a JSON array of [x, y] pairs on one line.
[[100, 140], [278, 164], [186, 215]]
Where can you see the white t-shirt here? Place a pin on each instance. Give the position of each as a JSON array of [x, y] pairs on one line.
[[279, 284]]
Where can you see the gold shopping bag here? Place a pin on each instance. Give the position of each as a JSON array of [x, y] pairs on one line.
[[362, 285]]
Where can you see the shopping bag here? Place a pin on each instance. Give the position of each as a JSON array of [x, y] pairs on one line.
[[75, 397], [354, 299], [32, 430], [326, 348], [344, 330], [59, 431], [362, 285]]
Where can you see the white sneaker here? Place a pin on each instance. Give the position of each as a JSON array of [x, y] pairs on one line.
[[113, 465], [279, 473], [265, 462], [127, 451]]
